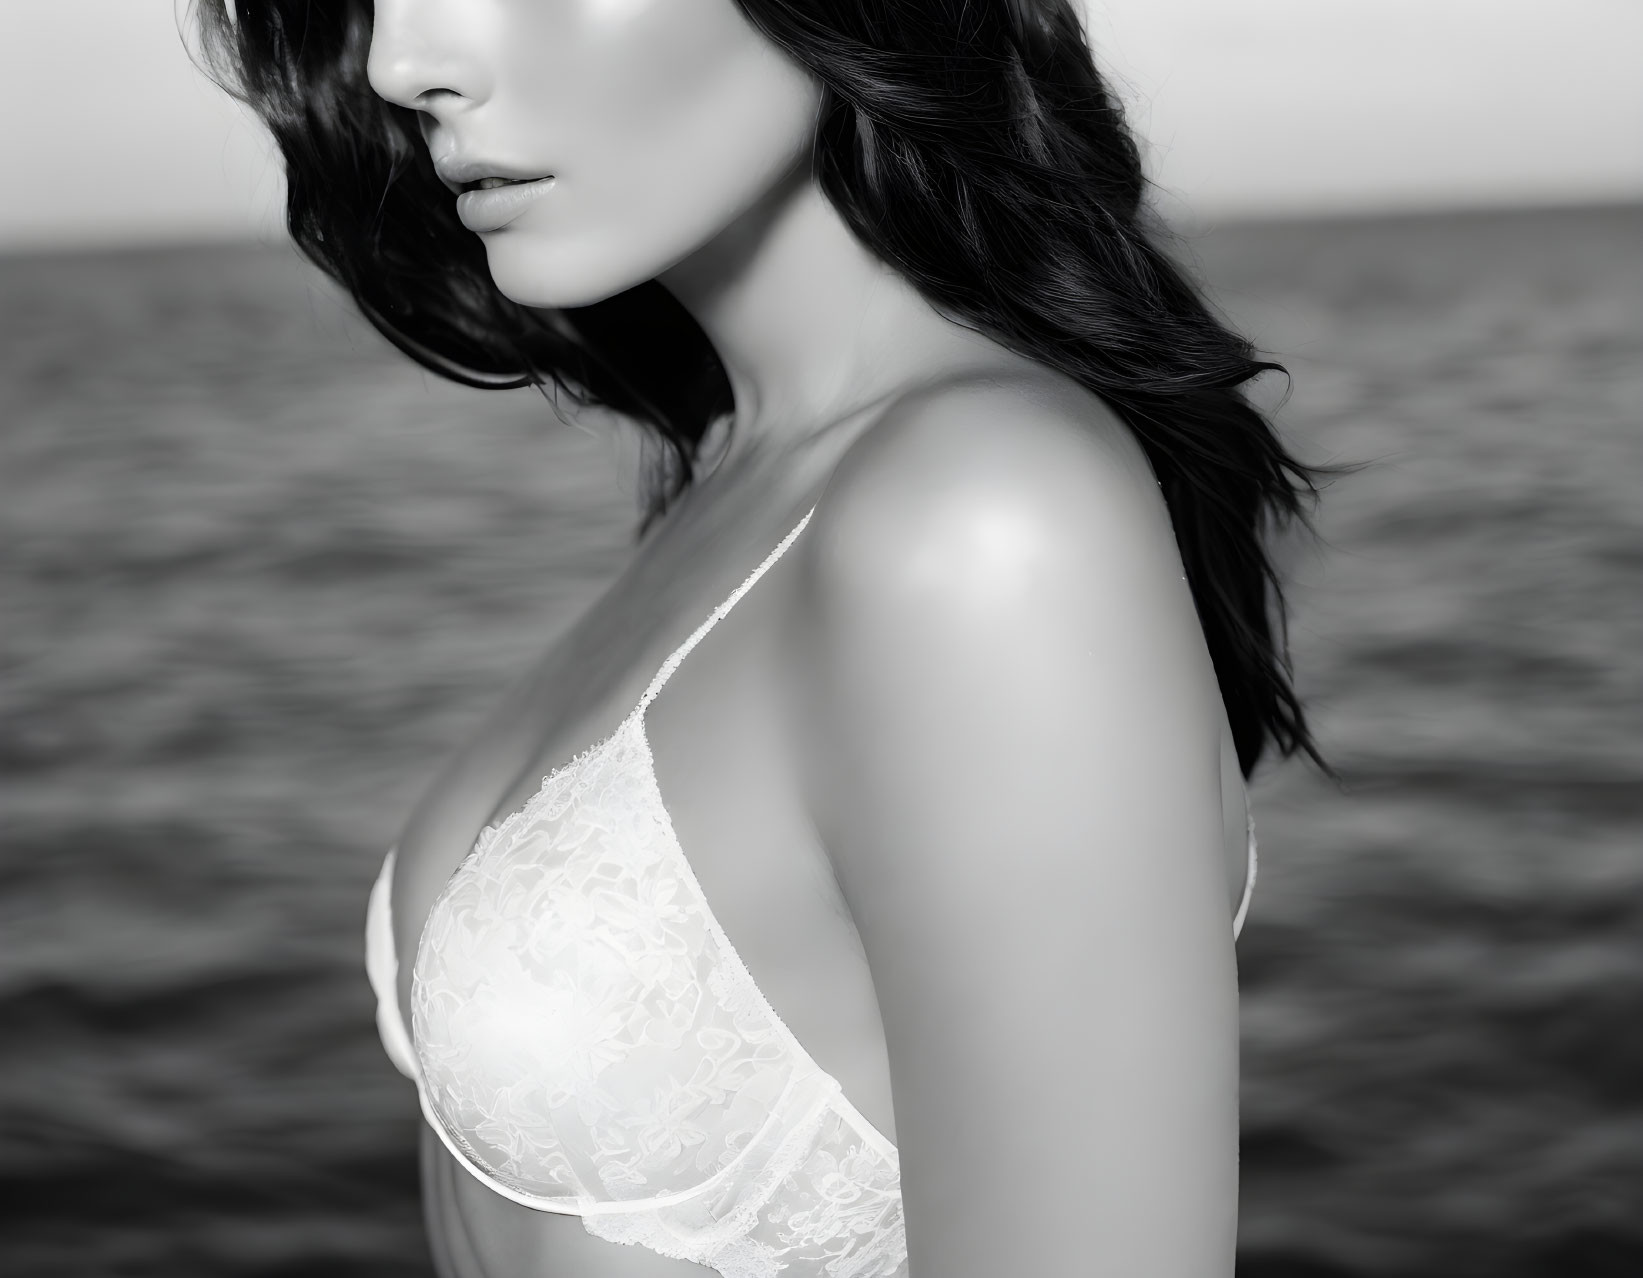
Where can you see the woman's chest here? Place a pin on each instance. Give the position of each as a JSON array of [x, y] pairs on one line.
[[722, 770]]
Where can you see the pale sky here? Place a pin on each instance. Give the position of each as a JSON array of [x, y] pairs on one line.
[[1248, 108]]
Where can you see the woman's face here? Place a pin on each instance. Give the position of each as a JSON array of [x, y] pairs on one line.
[[659, 123]]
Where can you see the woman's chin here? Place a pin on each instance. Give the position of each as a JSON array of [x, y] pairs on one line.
[[534, 276]]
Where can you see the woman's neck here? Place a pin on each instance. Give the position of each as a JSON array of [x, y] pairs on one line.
[[811, 326]]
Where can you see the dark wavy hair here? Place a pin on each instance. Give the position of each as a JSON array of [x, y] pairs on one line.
[[971, 144]]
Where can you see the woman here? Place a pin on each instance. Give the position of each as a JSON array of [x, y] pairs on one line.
[[962, 777]]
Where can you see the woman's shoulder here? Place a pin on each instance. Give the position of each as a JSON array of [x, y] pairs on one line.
[[989, 543], [1031, 452], [1000, 478]]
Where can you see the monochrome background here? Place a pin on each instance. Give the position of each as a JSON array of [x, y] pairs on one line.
[[259, 575]]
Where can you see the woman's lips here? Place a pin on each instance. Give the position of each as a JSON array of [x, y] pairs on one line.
[[491, 210]]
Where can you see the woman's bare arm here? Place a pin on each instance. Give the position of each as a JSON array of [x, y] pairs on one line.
[[1011, 732]]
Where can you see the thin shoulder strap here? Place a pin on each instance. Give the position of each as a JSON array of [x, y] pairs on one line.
[[683, 650], [1249, 877]]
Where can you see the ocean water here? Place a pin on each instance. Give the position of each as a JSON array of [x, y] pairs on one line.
[[260, 575]]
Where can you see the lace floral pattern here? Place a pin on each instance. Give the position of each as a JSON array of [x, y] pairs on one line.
[[587, 1040], [834, 1210]]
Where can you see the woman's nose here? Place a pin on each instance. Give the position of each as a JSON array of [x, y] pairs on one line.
[[419, 58]]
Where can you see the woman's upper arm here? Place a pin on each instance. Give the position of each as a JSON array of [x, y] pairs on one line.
[[1010, 737]]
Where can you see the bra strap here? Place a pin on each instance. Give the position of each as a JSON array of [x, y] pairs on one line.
[[683, 650], [1249, 877]]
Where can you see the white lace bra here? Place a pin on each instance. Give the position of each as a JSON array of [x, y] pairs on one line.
[[585, 1039]]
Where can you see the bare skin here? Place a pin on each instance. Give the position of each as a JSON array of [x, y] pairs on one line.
[[730, 766], [677, 138]]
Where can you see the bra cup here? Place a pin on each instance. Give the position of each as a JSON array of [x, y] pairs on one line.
[[568, 1018], [588, 1041]]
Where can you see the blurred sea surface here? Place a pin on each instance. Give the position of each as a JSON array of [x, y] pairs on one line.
[[260, 575]]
